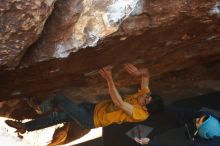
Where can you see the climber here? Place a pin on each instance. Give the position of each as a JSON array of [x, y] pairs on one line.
[[132, 108]]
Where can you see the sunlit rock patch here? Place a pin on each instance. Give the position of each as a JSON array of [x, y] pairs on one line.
[[97, 20], [215, 10]]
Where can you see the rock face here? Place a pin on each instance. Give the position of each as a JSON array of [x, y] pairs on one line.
[[21, 24], [164, 36], [85, 23]]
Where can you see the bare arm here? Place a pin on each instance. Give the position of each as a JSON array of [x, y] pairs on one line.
[[131, 69], [115, 96], [144, 78]]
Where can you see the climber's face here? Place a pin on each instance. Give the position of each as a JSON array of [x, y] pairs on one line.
[[144, 100]]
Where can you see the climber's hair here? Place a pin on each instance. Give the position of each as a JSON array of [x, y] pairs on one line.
[[156, 104]]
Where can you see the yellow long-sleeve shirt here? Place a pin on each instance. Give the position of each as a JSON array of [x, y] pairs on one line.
[[107, 113]]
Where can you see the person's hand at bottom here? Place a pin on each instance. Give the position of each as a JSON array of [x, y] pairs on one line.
[[142, 141]]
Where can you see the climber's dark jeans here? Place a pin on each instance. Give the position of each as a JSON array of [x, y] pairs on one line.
[[81, 114]]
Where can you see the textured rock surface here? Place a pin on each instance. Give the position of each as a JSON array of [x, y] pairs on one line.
[[164, 36], [85, 23], [93, 20], [21, 22]]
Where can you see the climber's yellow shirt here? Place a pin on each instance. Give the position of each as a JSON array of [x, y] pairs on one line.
[[107, 113]]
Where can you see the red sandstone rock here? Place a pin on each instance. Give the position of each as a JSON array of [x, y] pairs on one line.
[[21, 24], [164, 36]]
